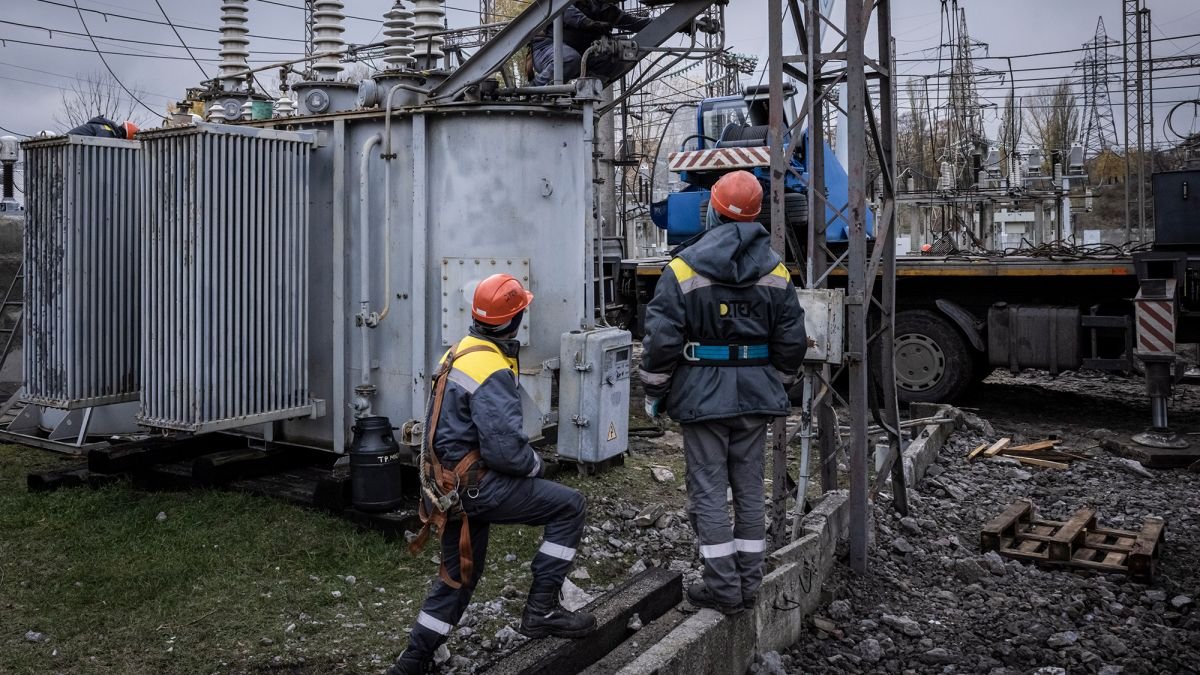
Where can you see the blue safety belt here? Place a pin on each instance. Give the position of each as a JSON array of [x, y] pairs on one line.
[[710, 354]]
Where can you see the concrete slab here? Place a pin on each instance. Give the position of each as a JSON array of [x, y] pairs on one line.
[[649, 594], [633, 647], [709, 643], [923, 450]]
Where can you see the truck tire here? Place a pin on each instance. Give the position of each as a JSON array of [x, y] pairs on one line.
[[795, 208], [934, 363]]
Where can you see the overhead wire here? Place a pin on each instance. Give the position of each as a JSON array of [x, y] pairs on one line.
[[52, 31], [108, 67], [176, 31], [161, 23]]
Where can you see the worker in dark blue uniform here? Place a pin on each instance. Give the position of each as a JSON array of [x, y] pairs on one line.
[[102, 127], [475, 428], [724, 338], [583, 24]]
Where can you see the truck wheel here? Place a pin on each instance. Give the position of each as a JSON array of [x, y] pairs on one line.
[[934, 364]]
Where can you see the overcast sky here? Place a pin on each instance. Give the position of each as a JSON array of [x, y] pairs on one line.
[[32, 75]]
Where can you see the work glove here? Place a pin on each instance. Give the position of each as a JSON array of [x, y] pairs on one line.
[[593, 26], [708, 25], [652, 407]]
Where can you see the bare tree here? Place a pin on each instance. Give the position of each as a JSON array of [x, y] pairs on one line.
[[98, 94], [1053, 114]]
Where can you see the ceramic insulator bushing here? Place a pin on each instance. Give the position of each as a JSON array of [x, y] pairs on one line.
[[327, 37], [428, 17], [398, 36], [235, 46]]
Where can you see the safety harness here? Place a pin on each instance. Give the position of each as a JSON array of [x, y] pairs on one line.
[[441, 486], [725, 354]]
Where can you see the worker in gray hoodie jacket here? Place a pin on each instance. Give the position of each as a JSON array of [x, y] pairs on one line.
[[724, 338]]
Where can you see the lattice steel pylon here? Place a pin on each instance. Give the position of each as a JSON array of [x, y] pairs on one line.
[[1139, 113], [869, 262], [1099, 128], [966, 116]]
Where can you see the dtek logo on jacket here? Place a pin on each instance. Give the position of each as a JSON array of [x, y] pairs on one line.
[[741, 309]]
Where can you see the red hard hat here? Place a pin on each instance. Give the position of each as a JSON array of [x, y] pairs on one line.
[[131, 129], [738, 196], [498, 299]]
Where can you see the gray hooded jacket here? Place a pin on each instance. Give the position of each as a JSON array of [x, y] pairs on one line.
[[728, 287]]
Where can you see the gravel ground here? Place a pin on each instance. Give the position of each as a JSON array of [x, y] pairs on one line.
[[932, 603]]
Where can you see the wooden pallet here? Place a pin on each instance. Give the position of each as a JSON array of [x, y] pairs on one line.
[[1077, 542]]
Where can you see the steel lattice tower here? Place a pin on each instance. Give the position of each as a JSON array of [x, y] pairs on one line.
[[1139, 113], [1099, 128]]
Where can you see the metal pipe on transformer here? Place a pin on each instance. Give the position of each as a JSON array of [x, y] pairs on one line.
[[339, 286], [558, 49], [589, 217], [420, 247], [365, 390]]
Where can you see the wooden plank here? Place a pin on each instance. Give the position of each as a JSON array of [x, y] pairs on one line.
[[1101, 543], [993, 530], [1143, 557], [1045, 464], [1029, 545], [1109, 532], [1115, 558], [1030, 447], [975, 453], [1069, 536], [996, 447]]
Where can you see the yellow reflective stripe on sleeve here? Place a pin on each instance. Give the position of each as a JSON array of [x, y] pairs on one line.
[[781, 271], [682, 270]]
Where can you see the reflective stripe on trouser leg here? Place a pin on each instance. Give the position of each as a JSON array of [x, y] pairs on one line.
[[444, 606], [747, 440], [535, 501], [705, 449]]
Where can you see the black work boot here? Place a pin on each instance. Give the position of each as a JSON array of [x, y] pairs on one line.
[[544, 616], [409, 663], [699, 595]]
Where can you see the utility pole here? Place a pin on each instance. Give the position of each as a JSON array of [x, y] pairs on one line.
[[869, 263], [1139, 113]]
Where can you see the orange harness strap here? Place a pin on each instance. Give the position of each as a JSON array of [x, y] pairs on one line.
[[447, 482]]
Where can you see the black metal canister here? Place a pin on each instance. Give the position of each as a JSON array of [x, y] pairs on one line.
[[375, 466]]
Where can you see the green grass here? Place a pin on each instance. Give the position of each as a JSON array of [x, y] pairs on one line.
[[215, 587]]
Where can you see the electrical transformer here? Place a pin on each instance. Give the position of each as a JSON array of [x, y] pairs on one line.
[[593, 394]]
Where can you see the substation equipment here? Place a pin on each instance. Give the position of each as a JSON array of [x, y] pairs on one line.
[[285, 275]]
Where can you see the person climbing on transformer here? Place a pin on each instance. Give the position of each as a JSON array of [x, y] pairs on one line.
[[583, 24], [478, 469], [102, 127], [724, 337]]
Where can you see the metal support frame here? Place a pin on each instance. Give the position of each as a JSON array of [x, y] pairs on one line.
[[1139, 113], [869, 264]]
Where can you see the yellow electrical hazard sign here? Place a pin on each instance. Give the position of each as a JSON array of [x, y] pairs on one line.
[[612, 431]]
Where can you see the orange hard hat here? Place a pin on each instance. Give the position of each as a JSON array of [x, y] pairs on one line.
[[738, 196], [130, 130], [498, 299]]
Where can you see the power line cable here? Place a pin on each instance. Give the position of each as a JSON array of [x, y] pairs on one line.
[[52, 31], [167, 57], [64, 76], [105, 62], [15, 133], [1032, 54], [185, 46], [161, 23]]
